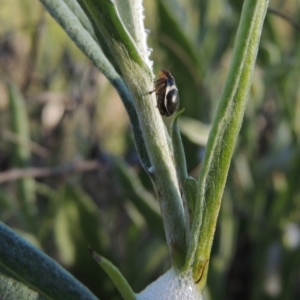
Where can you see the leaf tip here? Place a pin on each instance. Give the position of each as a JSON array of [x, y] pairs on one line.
[[94, 254]]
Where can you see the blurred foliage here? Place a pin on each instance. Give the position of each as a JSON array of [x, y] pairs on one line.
[[74, 114]]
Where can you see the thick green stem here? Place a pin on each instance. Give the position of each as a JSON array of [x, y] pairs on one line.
[[124, 55]]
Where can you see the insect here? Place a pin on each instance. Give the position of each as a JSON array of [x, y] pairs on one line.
[[166, 93]]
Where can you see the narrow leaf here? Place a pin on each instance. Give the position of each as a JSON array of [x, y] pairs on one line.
[[85, 42], [22, 155], [188, 185], [132, 14], [115, 275], [38, 271], [189, 188], [112, 35], [178, 150], [11, 289], [81, 16], [223, 136]]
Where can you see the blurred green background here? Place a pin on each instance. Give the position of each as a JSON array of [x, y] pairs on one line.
[[58, 112]]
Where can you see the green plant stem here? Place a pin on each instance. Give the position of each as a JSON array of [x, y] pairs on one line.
[[151, 138], [223, 137], [138, 77]]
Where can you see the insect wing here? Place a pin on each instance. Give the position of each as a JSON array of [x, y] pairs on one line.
[[171, 101]]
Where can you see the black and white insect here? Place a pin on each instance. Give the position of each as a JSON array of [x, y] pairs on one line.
[[166, 93]]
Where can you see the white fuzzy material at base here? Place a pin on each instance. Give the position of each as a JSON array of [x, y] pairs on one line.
[[143, 33], [171, 286]]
